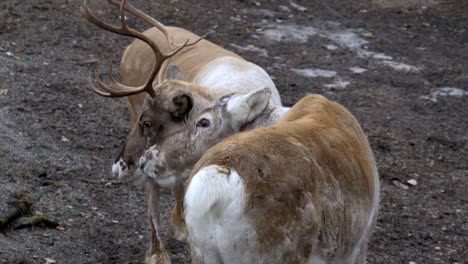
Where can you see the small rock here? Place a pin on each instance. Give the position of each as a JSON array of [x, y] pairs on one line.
[[425, 24], [94, 208], [115, 221], [298, 7], [437, 248], [412, 182], [400, 185], [3, 91], [367, 34], [49, 260], [64, 139], [60, 228], [9, 54], [80, 105], [255, 2], [411, 262]]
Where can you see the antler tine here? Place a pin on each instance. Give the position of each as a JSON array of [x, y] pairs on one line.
[[186, 44], [132, 10], [86, 12], [117, 89], [96, 90]]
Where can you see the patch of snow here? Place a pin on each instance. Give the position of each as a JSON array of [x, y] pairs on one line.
[[260, 12], [313, 73], [338, 84], [331, 47], [290, 33], [401, 66], [297, 6], [444, 92], [357, 69], [263, 52], [354, 42], [348, 39]]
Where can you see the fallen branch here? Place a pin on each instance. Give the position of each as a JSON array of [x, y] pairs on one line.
[[37, 220], [22, 207]]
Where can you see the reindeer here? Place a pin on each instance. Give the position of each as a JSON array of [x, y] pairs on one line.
[[167, 86], [304, 190]]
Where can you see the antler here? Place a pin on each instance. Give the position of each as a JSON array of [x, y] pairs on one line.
[[117, 89]]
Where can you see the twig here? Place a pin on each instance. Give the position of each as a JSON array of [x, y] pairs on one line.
[[37, 220], [22, 207]]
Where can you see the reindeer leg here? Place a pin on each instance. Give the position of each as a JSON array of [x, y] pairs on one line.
[[178, 222], [157, 253]]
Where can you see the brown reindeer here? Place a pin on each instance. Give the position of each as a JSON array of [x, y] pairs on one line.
[[304, 190], [167, 86]]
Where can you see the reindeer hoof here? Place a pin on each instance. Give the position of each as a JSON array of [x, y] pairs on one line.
[[161, 257]]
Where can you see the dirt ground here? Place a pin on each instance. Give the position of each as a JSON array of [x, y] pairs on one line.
[[402, 69]]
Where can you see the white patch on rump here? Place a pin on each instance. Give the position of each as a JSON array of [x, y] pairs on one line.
[[214, 213]]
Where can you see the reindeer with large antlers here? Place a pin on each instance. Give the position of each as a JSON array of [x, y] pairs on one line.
[[170, 85]]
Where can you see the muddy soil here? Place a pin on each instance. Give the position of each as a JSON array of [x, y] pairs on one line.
[[402, 69]]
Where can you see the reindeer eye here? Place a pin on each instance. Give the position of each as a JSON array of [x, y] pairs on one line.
[[147, 124], [225, 98], [203, 123]]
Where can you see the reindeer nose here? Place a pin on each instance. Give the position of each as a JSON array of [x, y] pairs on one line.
[[123, 165]]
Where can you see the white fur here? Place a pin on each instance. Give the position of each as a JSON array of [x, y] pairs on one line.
[[167, 182], [214, 213], [231, 74], [372, 217], [150, 162], [117, 169]]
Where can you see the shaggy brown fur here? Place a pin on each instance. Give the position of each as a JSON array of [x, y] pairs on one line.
[[310, 179]]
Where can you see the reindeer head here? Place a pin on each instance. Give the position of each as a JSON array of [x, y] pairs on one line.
[[168, 103], [172, 157], [163, 116]]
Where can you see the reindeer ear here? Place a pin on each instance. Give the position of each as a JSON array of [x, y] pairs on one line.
[[181, 105], [173, 73], [247, 107]]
